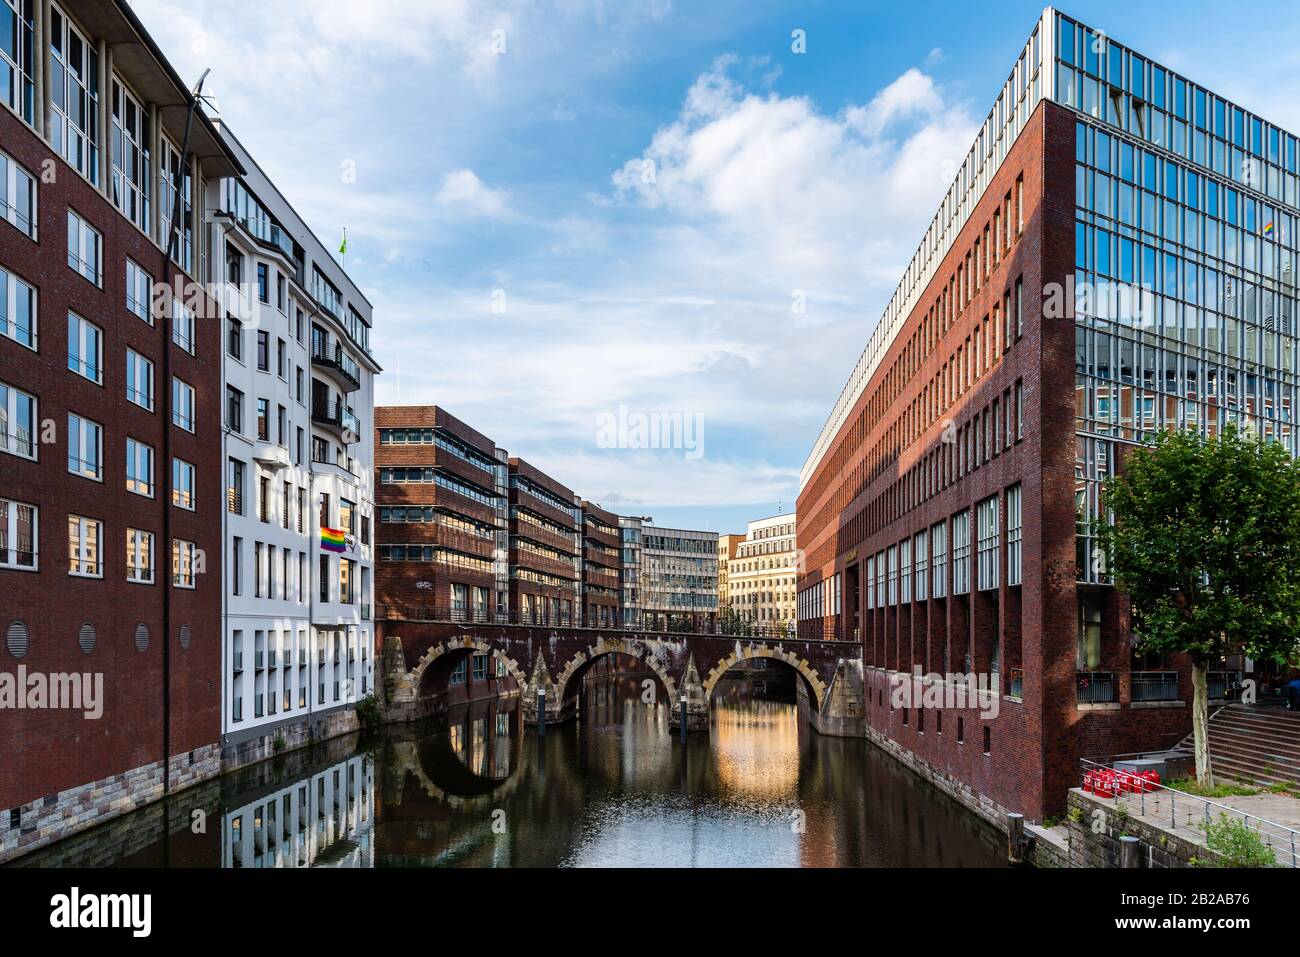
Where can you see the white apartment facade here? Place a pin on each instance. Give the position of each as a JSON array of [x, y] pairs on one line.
[[761, 578], [298, 422]]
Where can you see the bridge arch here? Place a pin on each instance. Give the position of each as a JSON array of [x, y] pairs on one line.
[[577, 666], [450, 653], [816, 687]]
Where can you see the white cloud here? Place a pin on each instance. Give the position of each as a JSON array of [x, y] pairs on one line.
[[462, 191]]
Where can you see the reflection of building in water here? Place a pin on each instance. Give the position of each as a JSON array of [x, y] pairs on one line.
[[756, 750], [325, 820]]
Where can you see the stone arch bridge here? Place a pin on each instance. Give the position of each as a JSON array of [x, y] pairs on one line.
[[420, 657]]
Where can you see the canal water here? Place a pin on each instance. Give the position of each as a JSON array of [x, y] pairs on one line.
[[617, 788]]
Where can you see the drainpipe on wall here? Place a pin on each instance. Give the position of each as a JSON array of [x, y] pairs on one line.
[[166, 324]]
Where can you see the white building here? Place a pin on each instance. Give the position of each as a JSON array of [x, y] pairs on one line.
[[298, 425], [761, 578]]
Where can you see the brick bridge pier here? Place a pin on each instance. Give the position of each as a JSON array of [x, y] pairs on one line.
[[419, 658]]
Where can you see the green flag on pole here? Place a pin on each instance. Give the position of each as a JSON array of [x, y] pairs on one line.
[[344, 248]]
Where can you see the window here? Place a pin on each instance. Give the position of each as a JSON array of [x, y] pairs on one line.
[[263, 351], [235, 337], [1020, 411], [132, 167], [234, 410], [939, 559], [325, 578], [281, 365], [85, 348], [235, 487], [1014, 534], [263, 427], [263, 294], [18, 532], [139, 556], [17, 194], [85, 447], [182, 405], [85, 248], [84, 547], [347, 579], [183, 484], [961, 553], [986, 530], [139, 468], [139, 380], [17, 310], [921, 549], [139, 292], [1020, 308], [17, 422], [74, 97], [168, 169], [184, 555], [182, 325]]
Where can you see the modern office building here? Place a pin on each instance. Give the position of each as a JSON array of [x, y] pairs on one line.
[[1113, 213], [602, 567], [443, 513], [110, 424], [298, 463], [762, 574], [631, 531], [727, 545], [678, 579], [545, 548]]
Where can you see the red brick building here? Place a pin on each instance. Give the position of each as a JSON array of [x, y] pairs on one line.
[[110, 430], [545, 548], [602, 566], [441, 504], [945, 510]]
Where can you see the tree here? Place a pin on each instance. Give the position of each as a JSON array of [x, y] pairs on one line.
[[1206, 542]]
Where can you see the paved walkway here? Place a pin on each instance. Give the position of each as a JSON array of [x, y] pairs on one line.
[[1185, 815]]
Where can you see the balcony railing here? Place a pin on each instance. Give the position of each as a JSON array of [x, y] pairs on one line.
[[1223, 685], [809, 631], [322, 355], [1155, 686], [1095, 687]]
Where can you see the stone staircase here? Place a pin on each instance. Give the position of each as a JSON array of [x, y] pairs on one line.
[[1254, 744]]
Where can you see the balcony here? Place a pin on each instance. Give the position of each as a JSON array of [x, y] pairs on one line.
[[336, 362], [1095, 687], [1155, 686], [336, 417]]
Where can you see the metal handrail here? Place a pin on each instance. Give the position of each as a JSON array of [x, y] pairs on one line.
[[1288, 838], [442, 614]]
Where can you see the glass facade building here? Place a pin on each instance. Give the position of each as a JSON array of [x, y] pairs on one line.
[[1112, 211]]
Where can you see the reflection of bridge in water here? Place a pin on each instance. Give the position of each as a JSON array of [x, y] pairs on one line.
[[424, 660], [620, 787]]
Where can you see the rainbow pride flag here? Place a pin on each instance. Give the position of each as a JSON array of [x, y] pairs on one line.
[[333, 540]]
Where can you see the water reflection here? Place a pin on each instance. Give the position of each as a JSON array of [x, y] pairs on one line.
[[617, 788]]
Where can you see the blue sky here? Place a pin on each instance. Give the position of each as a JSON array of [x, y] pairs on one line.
[[561, 209]]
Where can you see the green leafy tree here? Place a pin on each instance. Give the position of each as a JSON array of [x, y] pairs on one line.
[[1206, 542]]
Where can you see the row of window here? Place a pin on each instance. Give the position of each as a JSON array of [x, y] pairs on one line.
[[20, 547], [916, 568]]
